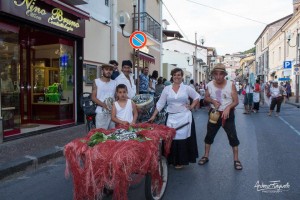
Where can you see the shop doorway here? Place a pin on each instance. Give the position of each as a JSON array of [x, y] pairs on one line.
[[37, 76]]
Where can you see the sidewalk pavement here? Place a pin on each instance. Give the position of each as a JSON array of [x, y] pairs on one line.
[[292, 100], [20, 154]]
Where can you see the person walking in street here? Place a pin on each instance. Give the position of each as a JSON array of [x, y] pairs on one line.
[[277, 96], [144, 81], [184, 148], [103, 92], [268, 87], [240, 89], [153, 82], [126, 77], [288, 90], [262, 92], [248, 98], [256, 97], [116, 72], [202, 96], [192, 84], [159, 87], [222, 96], [124, 110]]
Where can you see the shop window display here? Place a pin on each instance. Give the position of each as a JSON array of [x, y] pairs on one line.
[[9, 82]]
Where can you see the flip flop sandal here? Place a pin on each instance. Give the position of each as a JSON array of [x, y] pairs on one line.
[[203, 160], [178, 166], [238, 165]]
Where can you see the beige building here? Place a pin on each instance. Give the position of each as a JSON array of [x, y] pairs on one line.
[[246, 68], [150, 23], [232, 63], [283, 48], [262, 53], [106, 41]]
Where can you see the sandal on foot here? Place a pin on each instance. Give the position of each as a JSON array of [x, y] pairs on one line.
[[238, 165], [178, 166], [203, 160]]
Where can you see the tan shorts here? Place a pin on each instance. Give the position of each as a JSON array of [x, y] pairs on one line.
[[103, 120]]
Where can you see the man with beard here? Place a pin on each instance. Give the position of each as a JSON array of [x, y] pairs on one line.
[[103, 91], [222, 96], [126, 77]]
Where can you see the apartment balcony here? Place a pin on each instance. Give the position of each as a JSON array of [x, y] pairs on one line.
[[148, 25]]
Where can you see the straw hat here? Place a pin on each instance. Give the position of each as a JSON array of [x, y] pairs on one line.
[[219, 67]]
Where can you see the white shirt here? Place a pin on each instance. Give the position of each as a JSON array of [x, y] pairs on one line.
[[275, 92], [222, 95], [176, 101], [192, 86], [154, 82], [126, 113], [176, 107], [104, 91], [122, 79], [248, 89]]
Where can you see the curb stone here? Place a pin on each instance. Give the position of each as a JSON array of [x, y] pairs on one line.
[[29, 161]]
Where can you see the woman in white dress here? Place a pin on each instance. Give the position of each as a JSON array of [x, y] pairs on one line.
[[184, 148]]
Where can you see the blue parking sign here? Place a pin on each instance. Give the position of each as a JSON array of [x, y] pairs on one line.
[[287, 64]]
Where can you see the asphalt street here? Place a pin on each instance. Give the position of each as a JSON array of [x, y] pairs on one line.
[[269, 152]]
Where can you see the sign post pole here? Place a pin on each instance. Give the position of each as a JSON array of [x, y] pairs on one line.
[[297, 75]]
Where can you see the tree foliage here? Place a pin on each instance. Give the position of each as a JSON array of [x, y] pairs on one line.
[[252, 50]]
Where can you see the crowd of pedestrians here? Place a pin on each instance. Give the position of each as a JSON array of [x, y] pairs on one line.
[[256, 95], [220, 96]]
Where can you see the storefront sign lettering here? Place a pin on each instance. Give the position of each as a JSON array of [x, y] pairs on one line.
[[57, 16], [32, 10], [58, 19]]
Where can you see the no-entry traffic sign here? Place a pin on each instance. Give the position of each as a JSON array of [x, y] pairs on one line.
[[138, 39]]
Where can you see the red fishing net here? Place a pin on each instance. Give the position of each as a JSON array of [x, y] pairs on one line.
[[110, 164]]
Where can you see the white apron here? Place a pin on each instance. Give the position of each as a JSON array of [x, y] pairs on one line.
[[178, 119]]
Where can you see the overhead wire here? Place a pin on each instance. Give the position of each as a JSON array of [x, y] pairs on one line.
[[229, 13], [175, 21]]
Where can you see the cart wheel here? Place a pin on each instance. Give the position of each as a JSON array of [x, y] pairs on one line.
[[163, 171]]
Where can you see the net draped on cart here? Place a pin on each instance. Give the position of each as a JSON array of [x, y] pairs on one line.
[[111, 163]]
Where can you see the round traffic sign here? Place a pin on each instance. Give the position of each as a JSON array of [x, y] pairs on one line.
[[138, 39]]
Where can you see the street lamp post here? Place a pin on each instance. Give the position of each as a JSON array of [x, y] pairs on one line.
[[123, 20], [297, 63]]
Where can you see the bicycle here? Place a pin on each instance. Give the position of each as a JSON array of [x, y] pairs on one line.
[[161, 116], [147, 113], [88, 107]]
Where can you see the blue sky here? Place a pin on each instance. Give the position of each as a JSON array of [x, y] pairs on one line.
[[225, 32]]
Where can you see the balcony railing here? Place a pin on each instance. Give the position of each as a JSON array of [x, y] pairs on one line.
[[148, 25]]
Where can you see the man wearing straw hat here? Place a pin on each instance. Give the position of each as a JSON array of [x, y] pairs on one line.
[[222, 96], [103, 92]]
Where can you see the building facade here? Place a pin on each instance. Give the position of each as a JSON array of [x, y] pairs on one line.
[[182, 53], [53, 50], [284, 48], [262, 52], [41, 62], [232, 63]]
